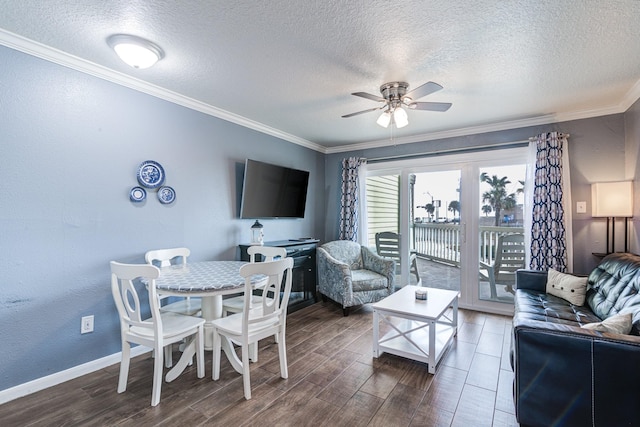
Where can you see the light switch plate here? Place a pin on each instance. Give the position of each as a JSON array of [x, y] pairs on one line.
[[581, 207]]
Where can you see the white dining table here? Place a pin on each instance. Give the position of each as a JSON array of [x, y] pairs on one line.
[[209, 280]]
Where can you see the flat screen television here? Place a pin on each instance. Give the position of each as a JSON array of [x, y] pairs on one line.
[[271, 191]]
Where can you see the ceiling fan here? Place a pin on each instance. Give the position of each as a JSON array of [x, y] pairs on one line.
[[395, 96]]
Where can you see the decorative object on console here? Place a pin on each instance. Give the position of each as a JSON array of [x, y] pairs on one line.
[[613, 200], [257, 233]]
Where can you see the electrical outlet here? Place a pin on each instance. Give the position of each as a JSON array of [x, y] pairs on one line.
[[581, 207], [86, 325]]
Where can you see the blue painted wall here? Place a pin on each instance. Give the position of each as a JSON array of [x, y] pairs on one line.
[[70, 148]]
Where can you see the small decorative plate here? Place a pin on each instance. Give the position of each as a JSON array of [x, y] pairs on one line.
[[150, 174], [137, 194], [166, 195]]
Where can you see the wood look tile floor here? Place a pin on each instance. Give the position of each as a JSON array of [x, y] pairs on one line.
[[333, 381]]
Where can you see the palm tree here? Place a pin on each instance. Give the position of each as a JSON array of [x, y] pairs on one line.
[[454, 206], [429, 208], [497, 197], [486, 209]]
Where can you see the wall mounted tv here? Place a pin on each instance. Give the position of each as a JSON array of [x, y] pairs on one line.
[[271, 191]]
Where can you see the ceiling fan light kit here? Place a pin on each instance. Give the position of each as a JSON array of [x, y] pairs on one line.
[[395, 98], [135, 51], [385, 119], [400, 117]]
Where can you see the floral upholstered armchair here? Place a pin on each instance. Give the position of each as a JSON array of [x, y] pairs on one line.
[[351, 274]]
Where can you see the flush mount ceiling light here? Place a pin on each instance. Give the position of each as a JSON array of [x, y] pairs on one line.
[[135, 51], [395, 98]]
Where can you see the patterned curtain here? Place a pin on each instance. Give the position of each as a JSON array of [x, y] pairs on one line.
[[550, 219], [350, 200]]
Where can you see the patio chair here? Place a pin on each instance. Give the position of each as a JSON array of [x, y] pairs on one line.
[[351, 274], [388, 246], [509, 258]]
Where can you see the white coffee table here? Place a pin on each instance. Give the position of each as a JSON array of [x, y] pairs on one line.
[[420, 329]]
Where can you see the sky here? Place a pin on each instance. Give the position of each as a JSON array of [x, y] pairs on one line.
[[443, 186]]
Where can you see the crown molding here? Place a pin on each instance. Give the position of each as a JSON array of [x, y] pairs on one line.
[[631, 97], [33, 48], [471, 130]]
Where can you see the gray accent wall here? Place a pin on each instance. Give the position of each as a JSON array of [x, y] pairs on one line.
[[597, 150], [70, 148]]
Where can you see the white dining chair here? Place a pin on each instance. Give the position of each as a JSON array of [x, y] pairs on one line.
[[187, 306], [157, 331], [268, 318], [267, 253], [164, 258]]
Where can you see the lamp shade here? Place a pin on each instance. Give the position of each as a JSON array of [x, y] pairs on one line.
[[612, 199]]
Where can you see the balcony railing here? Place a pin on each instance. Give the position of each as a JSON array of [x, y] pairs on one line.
[[441, 242]]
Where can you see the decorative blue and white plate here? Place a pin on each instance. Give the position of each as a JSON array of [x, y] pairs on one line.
[[166, 195], [137, 194], [150, 174]]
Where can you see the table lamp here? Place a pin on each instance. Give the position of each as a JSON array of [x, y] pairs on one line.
[[613, 200]]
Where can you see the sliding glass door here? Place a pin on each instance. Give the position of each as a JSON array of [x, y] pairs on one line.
[[436, 227], [460, 215], [500, 231]]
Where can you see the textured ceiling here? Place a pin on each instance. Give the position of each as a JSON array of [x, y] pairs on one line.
[[288, 67]]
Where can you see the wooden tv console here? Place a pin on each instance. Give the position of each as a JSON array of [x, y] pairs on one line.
[[304, 283]]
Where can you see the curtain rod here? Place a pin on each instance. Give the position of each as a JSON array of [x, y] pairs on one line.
[[560, 134], [487, 147]]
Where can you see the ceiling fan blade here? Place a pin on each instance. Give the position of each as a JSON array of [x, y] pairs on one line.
[[424, 90], [362, 112], [369, 96], [430, 106]]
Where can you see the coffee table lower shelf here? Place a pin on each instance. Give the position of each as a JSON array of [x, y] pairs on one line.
[[414, 344]]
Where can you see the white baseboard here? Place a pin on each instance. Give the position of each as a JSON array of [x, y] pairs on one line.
[[66, 375]]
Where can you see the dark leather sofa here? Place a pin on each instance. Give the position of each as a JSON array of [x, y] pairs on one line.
[[565, 375]]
